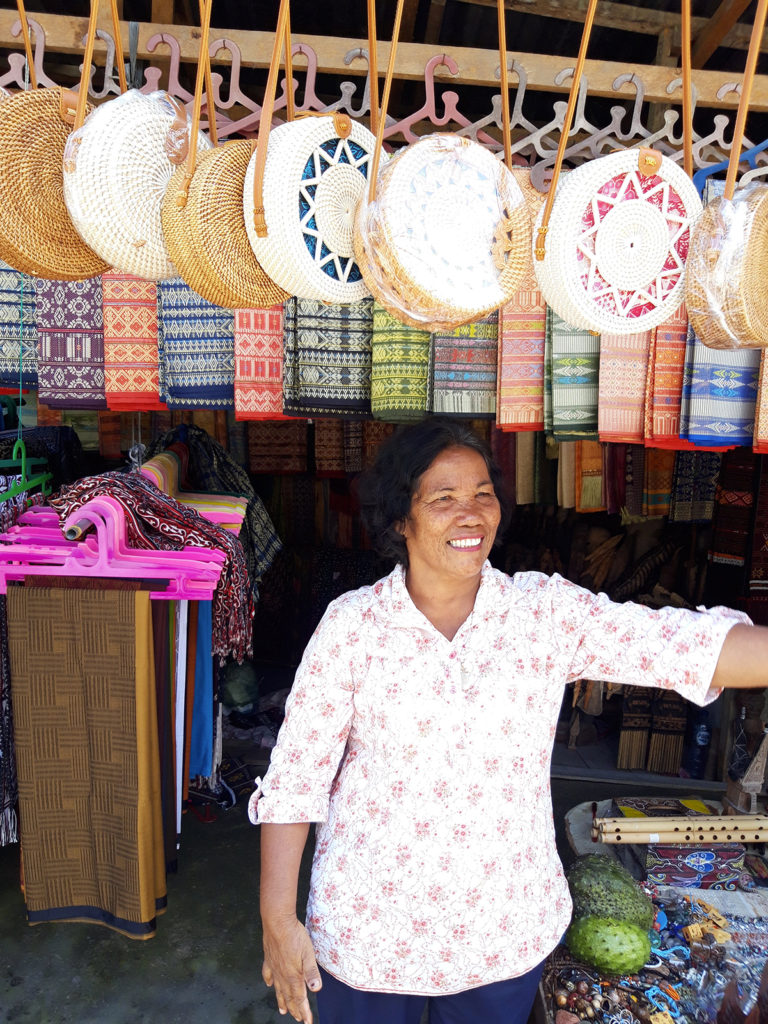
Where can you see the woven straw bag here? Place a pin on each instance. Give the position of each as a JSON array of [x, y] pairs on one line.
[[611, 242], [301, 191], [36, 233], [202, 213], [443, 236], [725, 290]]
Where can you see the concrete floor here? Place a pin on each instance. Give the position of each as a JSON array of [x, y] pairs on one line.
[[204, 965]]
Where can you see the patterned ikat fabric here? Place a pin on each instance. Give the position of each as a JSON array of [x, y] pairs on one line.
[[70, 328], [18, 328]]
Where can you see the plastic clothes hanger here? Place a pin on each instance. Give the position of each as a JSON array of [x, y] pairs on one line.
[[748, 156], [25, 482]]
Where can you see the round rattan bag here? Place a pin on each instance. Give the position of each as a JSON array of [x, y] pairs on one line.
[[315, 174], [725, 284], [37, 235], [207, 239], [618, 241], [117, 167], [446, 239]]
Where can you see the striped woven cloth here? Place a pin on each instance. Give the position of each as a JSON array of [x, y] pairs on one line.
[[464, 369], [327, 353], [664, 383], [17, 300], [760, 438], [520, 391], [621, 391], [197, 349], [259, 363], [131, 373], [401, 374], [575, 374], [525, 456], [658, 483], [70, 328], [589, 477]]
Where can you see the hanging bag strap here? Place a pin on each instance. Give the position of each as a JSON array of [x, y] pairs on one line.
[[203, 77], [685, 32], [27, 43], [746, 92], [82, 95]]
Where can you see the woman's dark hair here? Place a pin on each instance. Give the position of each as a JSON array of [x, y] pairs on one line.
[[385, 491]]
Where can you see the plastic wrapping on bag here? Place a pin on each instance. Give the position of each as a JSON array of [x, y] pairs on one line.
[[725, 289], [447, 238], [617, 242], [4, 94], [117, 167], [315, 175]]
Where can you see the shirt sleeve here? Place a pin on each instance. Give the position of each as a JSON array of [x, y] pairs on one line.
[[671, 648], [313, 736]]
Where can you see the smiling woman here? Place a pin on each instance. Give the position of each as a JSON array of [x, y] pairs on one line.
[[419, 732]]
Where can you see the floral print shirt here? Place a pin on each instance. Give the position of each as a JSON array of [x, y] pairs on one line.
[[427, 761]]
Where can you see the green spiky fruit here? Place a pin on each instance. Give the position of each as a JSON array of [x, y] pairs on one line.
[[601, 887], [613, 947]]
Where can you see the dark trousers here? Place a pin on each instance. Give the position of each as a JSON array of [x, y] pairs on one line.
[[504, 1002]]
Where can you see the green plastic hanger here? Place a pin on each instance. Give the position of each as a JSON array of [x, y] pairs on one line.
[[26, 483]]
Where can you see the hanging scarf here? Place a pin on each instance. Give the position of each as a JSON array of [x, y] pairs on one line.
[[131, 370], [154, 520], [659, 475], [197, 349], [327, 351], [400, 369], [693, 488], [464, 369], [70, 328], [279, 447], [721, 395], [259, 363], [575, 371], [522, 330], [760, 439], [664, 385], [623, 372], [589, 477], [734, 504], [17, 289], [329, 448]]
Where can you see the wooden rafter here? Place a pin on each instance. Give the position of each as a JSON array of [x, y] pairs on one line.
[[64, 34], [719, 25]]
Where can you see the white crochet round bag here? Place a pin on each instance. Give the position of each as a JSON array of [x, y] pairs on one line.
[[617, 242], [315, 174], [117, 166]]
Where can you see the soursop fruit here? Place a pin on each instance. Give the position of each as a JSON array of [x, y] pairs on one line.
[[613, 947], [601, 887]]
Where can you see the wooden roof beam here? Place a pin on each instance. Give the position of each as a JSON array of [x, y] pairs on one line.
[[719, 25]]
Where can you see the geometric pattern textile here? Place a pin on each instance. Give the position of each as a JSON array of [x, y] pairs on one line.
[[522, 325], [666, 366], [327, 352], [658, 483], [465, 369], [84, 693], [197, 349], [401, 374], [760, 440], [623, 372], [693, 489], [130, 343], [259, 363], [722, 391], [575, 379], [278, 447], [17, 291], [70, 328]]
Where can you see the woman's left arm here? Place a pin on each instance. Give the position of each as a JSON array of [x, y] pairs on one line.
[[743, 660]]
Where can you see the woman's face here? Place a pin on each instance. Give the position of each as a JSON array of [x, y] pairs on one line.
[[453, 518]]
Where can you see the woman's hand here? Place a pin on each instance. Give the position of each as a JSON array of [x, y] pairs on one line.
[[290, 965]]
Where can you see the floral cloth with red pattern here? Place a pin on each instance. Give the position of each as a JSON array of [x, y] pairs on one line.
[[428, 763]]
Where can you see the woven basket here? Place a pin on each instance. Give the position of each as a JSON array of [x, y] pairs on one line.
[[315, 175], [36, 233], [117, 167], [618, 242], [725, 284], [447, 238], [207, 240]]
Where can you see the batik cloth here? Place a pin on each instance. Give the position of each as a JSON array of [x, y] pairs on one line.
[[721, 395], [621, 399], [520, 384], [90, 815], [213, 470], [575, 375], [327, 358], [401, 372], [131, 368], [279, 447], [259, 363], [70, 329], [693, 487], [197, 349], [18, 328], [154, 520], [464, 369]]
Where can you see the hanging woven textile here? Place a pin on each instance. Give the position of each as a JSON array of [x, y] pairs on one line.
[[259, 363], [9, 789], [575, 374], [504, 451], [327, 351], [401, 363], [464, 369], [693, 487], [131, 375], [197, 349], [525, 454], [758, 565], [17, 299], [635, 479], [375, 434], [566, 474], [85, 694], [70, 329], [615, 477], [635, 728], [664, 383], [669, 717], [760, 437], [278, 447], [659, 477], [329, 448], [623, 373], [589, 495]]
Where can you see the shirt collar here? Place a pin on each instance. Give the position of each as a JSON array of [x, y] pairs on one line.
[[405, 613]]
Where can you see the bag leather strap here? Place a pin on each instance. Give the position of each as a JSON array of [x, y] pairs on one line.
[[746, 91], [27, 43], [85, 75]]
